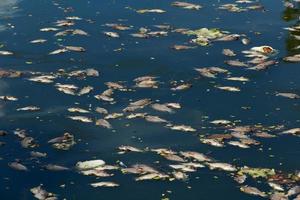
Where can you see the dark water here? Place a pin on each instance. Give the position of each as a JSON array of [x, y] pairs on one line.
[[20, 22]]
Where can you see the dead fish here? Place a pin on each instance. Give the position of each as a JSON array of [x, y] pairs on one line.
[[52, 167], [206, 72], [50, 29], [238, 144], [162, 108], [104, 123], [182, 128], [212, 142], [99, 172], [228, 52], [139, 169], [136, 115], [104, 98], [245, 41], [124, 149], [294, 58], [132, 108], [242, 79], [276, 186], [140, 35], [142, 11], [240, 178], [119, 27], [112, 34], [147, 84], [253, 191], [264, 135], [221, 122], [182, 47], [222, 166], [114, 116], [43, 79], [29, 108], [294, 191], [101, 110], [75, 49], [184, 86], [264, 49], [288, 95], [8, 98], [228, 38], [236, 63], [155, 119], [141, 102], [229, 88], [38, 41], [293, 131], [263, 65], [278, 196], [37, 154], [42, 194], [6, 53], [89, 164], [28, 142], [85, 90], [172, 157], [153, 176], [186, 5], [180, 175], [174, 105], [195, 155], [81, 119], [105, 184], [79, 110], [58, 51], [114, 85], [18, 166]]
